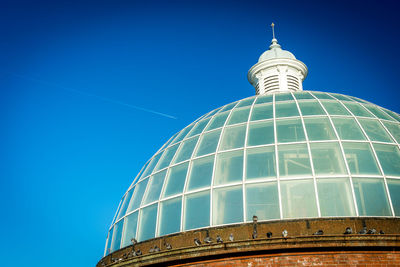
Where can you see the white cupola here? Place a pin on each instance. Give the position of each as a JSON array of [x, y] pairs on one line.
[[277, 70]]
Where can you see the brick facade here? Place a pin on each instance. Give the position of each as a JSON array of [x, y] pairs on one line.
[[343, 258]]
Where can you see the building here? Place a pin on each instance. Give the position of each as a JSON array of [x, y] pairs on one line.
[[284, 177]]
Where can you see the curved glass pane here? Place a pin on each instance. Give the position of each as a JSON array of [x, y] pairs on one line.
[[197, 210], [262, 112], [186, 149], [327, 159], [394, 190], [374, 130], [290, 130], [262, 200], [229, 167], [294, 160], [129, 229], [261, 133], [155, 186], [170, 220], [286, 109], [233, 137], [360, 159], [348, 129], [371, 197], [176, 180], [208, 143], [319, 129], [298, 199], [228, 205], [137, 195], [311, 108], [201, 173], [148, 219], [239, 116], [389, 157], [260, 163], [335, 197]]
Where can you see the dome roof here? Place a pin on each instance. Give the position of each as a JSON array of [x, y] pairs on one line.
[[278, 156], [275, 51]]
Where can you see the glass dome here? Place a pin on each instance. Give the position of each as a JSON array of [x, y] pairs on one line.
[[278, 156]]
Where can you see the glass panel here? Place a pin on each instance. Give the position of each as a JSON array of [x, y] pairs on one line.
[[227, 205], [341, 97], [357, 109], [201, 173], [229, 167], [319, 129], [334, 108], [246, 102], [264, 99], [197, 210], [290, 130], [176, 180], [228, 107], [371, 197], [262, 200], [360, 158], [394, 190], [321, 95], [389, 157], [167, 157], [348, 129], [218, 121], [260, 163], [130, 229], [109, 239], [212, 113], [186, 149], [147, 227], [378, 112], [199, 127], [116, 242], [151, 165], [208, 143], [394, 129], [311, 108], [358, 99], [262, 112], [137, 195], [283, 97], [298, 199], [170, 220], [183, 133], [335, 197], [155, 186], [375, 131], [393, 114], [261, 133], [302, 95], [327, 159], [239, 115], [286, 109], [294, 160], [169, 141], [125, 204], [233, 137]]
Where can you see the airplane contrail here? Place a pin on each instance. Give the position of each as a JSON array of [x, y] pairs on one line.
[[106, 99]]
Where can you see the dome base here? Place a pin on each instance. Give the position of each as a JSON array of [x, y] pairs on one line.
[[244, 249]]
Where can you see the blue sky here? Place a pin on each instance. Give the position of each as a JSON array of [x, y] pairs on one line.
[[79, 81]]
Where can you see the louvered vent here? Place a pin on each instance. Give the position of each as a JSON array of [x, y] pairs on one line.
[[258, 89], [293, 83], [271, 83]]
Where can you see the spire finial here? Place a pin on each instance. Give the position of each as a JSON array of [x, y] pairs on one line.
[[273, 30]]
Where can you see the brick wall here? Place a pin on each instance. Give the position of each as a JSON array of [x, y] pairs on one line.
[[337, 258]]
